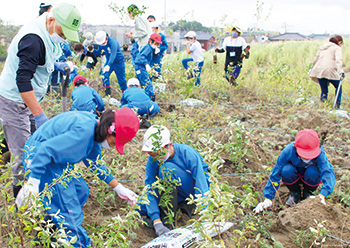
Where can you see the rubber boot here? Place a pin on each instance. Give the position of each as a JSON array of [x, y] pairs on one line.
[[308, 190], [294, 194], [16, 189], [108, 91]]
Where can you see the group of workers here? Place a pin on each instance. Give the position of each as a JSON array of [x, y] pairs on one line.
[[43, 155]]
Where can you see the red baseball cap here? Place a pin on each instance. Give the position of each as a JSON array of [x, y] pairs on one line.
[[77, 78], [307, 144], [156, 37], [126, 125]]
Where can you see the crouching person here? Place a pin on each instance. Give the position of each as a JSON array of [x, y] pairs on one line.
[[136, 97], [186, 166], [302, 162], [86, 98], [54, 149]]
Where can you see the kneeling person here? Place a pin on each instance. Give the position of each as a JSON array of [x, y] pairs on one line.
[[136, 97], [301, 162], [86, 98], [186, 165]]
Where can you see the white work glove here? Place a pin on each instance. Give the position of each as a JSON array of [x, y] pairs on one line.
[[126, 194], [106, 68], [157, 50], [29, 189], [321, 197], [148, 68], [262, 205], [160, 228]]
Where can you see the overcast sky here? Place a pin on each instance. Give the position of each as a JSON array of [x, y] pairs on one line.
[[304, 16]]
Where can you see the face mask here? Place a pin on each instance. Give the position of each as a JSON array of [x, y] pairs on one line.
[[104, 144], [153, 46], [234, 34], [306, 160], [166, 157], [55, 38]]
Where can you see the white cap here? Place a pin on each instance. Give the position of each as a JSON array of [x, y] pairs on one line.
[[100, 37], [154, 24], [89, 36], [190, 34], [148, 140], [133, 82]]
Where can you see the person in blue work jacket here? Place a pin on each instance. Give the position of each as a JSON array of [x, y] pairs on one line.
[[186, 165], [156, 62], [142, 64], [25, 77], [114, 61], [302, 162], [86, 51], [136, 98], [55, 79], [194, 48], [56, 146], [86, 98]]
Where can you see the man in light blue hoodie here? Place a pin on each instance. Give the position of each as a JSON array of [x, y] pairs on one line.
[[25, 77]]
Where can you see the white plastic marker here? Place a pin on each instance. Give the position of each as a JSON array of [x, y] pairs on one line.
[[185, 236]]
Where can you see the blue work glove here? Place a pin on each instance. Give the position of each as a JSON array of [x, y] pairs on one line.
[[160, 228], [40, 119], [59, 66]]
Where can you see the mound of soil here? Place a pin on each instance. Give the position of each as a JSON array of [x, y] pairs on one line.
[[310, 213]]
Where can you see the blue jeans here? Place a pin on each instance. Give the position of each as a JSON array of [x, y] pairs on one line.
[[310, 174], [196, 71], [324, 88]]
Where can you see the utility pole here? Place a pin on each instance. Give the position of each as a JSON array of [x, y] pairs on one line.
[[165, 12]]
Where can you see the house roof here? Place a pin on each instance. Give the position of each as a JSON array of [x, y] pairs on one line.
[[288, 36], [319, 36]]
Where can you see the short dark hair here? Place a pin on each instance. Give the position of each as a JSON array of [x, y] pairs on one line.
[[78, 47], [336, 39], [79, 82], [106, 120], [151, 16]]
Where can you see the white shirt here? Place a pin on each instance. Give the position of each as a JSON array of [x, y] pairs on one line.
[[237, 42], [196, 51]]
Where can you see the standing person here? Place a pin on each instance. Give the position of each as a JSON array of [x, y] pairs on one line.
[[86, 98], [135, 97], [63, 141], [185, 165], [234, 46], [142, 64], [301, 162], [194, 48], [114, 61], [156, 62], [327, 67], [44, 8], [25, 76], [142, 27]]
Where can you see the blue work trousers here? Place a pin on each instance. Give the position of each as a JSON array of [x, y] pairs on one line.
[[144, 79], [119, 70], [157, 63], [310, 175], [197, 71], [324, 89]]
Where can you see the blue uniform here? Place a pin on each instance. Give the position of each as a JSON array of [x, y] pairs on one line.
[[142, 59], [187, 166], [135, 97], [115, 60], [56, 146], [291, 168], [87, 99], [66, 52], [157, 58]]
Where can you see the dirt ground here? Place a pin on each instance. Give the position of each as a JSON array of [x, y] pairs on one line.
[[272, 123]]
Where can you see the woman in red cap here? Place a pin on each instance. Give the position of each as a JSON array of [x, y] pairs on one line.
[[60, 143], [302, 162], [86, 98]]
